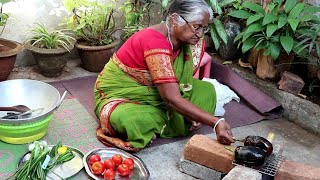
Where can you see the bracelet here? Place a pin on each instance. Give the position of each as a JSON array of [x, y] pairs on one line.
[[214, 128]]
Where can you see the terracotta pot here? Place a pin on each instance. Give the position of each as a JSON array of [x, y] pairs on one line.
[[8, 53], [51, 62], [94, 58]]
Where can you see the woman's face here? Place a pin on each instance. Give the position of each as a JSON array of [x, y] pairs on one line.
[[191, 32]]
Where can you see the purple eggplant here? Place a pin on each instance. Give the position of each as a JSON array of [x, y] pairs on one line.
[[260, 142], [250, 156]]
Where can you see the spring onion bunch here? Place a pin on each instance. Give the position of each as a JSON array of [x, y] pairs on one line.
[[42, 160]]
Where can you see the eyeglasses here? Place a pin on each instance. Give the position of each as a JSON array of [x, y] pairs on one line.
[[198, 29]]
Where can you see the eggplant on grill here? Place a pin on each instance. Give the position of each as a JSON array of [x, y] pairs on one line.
[[260, 142], [249, 156]]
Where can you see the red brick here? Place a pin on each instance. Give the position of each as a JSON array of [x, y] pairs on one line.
[[209, 152], [291, 83], [290, 170]]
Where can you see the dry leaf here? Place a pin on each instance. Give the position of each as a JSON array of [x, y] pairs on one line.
[[246, 65]]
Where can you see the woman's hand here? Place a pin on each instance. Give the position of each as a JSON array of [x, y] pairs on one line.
[[224, 134]]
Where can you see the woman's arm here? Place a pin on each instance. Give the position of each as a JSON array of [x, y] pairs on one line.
[[170, 94]]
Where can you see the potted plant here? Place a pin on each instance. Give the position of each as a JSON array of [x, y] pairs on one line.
[[224, 28], [217, 30], [94, 26], [133, 17], [274, 32], [8, 49], [48, 49], [137, 15]]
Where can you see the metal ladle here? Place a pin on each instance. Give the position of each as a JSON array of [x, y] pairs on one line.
[[17, 108]]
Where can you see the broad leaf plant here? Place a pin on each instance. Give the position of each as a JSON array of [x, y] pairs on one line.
[[277, 28], [217, 30], [93, 21]]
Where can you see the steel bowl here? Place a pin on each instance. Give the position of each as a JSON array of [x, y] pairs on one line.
[[31, 93], [35, 95]]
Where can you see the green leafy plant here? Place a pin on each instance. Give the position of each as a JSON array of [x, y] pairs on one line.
[[3, 16], [217, 31], [42, 38], [137, 14], [313, 85], [133, 15], [237, 5], [310, 39], [92, 21], [277, 29]]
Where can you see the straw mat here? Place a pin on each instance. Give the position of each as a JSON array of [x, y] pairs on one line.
[[71, 124]]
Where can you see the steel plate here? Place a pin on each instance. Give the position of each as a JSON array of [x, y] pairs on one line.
[[140, 171], [65, 170]]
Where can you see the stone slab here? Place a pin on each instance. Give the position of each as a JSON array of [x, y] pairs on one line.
[[243, 173], [197, 170]]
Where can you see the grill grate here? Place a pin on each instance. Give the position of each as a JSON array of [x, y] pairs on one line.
[[272, 164]]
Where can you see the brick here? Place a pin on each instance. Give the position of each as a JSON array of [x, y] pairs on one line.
[[243, 173], [198, 171], [291, 83], [209, 153], [290, 170]]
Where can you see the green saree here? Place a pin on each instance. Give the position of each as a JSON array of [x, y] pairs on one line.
[[134, 113]]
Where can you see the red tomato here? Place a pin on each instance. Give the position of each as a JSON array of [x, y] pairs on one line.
[[117, 159], [109, 164], [123, 170], [97, 167], [109, 174], [129, 162], [94, 158]]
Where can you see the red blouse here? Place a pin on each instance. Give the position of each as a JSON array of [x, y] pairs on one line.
[[147, 57], [147, 51]]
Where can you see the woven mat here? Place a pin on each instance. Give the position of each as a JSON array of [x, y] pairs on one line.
[[71, 124]]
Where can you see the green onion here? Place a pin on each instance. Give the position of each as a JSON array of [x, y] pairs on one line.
[[32, 170]]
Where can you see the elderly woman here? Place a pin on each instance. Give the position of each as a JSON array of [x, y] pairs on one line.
[[147, 88]]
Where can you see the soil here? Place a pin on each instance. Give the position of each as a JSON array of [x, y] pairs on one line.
[[4, 48]]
